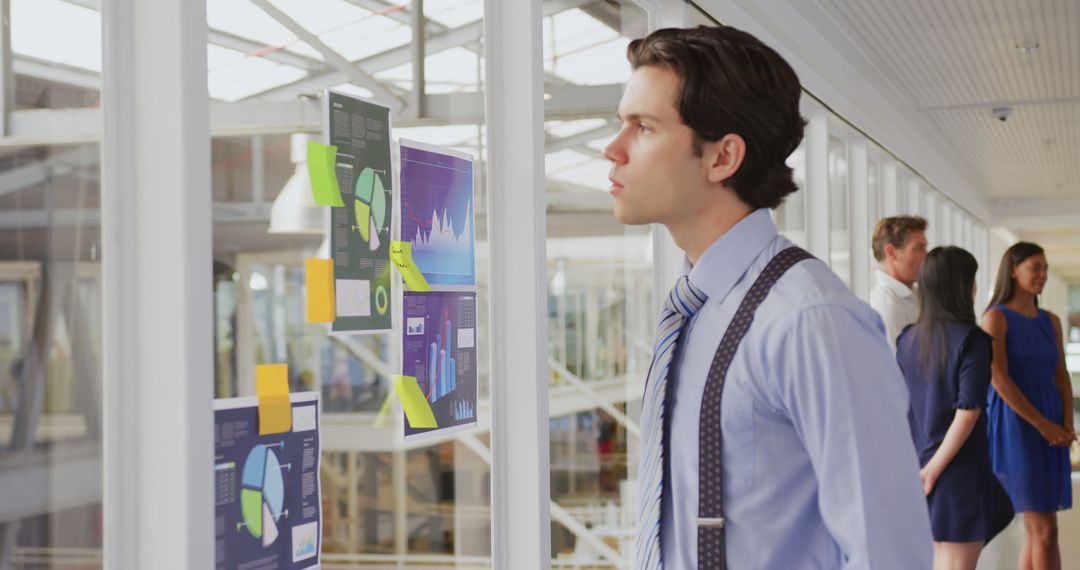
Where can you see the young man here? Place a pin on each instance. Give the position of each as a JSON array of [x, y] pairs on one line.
[[899, 247], [814, 448]]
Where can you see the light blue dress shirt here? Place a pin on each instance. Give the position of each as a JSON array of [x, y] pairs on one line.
[[819, 467]]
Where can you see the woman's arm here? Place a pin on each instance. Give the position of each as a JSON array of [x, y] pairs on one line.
[[995, 325], [1062, 380], [959, 430]]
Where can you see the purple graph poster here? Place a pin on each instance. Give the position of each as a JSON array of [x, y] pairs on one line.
[[439, 350], [437, 213]]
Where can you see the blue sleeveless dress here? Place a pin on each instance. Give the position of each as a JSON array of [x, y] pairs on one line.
[[1035, 475]]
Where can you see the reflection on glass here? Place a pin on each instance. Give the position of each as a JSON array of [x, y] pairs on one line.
[[600, 292], [50, 299], [50, 356], [875, 205], [387, 503], [839, 236]]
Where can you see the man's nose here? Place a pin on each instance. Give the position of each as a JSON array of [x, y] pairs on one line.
[[614, 150]]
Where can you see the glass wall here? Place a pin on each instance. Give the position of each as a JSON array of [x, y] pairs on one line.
[[386, 502], [600, 286], [50, 295], [601, 274], [791, 215], [839, 236]]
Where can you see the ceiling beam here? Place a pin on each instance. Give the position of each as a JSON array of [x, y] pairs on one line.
[[259, 49], [389, 59], [70, 126], [1027, 213], [579, 141], [466, 35], [39, 172], [356, 75], [232, 41], [56, 72]]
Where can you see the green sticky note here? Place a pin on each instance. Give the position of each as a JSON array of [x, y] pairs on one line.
[[417, 408], [321, 161]]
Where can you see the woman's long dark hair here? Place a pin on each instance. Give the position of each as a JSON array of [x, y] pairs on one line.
[[1005, 286], [945, 281]]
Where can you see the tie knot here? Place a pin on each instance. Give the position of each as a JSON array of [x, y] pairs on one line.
[[684, 298]]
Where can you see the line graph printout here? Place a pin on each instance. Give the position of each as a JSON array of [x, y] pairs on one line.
[[437, 212], [439, 350], [268, 508]]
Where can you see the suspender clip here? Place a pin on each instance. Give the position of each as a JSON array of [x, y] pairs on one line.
[[710, 523]]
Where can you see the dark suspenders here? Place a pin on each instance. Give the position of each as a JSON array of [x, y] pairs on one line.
[[710, 521]]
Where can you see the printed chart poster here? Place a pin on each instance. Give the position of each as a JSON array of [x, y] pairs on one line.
[[437, 213], [439, 350], [268, 513], [360, 232]]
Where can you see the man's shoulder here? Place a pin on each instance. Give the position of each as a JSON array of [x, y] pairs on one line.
[[811, 286]]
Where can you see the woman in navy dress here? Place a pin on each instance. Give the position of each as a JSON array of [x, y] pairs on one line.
[[1030, 405], [946, 359]]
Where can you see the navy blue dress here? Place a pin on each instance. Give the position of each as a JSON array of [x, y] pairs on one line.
[[968, 502], [1035, 474]]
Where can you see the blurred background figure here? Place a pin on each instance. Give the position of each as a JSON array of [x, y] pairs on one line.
[[1030, 406], [946, 359], [899, 246]]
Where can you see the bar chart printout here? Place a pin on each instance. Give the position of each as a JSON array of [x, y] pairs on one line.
[[439, 350]]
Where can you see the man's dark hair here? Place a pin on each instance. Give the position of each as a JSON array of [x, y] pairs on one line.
[[895, 231], [733, 83]]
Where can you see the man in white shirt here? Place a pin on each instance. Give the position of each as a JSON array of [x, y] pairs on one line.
[[900, 247]]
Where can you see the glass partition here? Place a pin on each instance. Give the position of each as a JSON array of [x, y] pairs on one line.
[[50, 294], [387, 502], [791, 215], [600, 288], [839, 236]]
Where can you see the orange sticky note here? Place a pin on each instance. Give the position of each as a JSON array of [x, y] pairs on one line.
[[319, 279], [272, 388], [417, 408], [401, 255]]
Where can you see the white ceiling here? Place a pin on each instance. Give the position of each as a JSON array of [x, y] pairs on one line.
[[955, 61]]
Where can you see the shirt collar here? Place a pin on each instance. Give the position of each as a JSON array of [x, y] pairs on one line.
[[893, 284], [727, 259]]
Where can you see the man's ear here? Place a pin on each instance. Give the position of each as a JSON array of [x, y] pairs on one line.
[[723, 158], [890, 252]]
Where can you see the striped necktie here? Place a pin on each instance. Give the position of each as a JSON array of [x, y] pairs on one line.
[[681, 304]]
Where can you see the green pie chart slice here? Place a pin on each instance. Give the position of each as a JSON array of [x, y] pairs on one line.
[[251, 510], [363, 213]]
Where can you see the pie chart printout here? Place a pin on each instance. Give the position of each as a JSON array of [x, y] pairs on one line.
[[268, 503], [263, 494], [360, 233]]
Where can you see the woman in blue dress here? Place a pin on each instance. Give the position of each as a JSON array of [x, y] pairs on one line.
[[1030, 404], [946, 359]]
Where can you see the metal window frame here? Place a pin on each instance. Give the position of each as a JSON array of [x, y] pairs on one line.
[[156, 286]]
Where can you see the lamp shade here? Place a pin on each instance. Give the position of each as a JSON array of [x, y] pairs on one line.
[[294, 210]]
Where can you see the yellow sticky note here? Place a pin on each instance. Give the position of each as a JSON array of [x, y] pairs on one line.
[[321, 162], [401, 255], [319, 279], [417, 409], [272, 388]]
